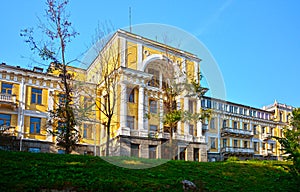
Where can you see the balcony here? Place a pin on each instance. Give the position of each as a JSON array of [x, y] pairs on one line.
[[266, 136], [267, 152], [7, 130], [237, 150], [8, 99], [228, 131], [126, 131]]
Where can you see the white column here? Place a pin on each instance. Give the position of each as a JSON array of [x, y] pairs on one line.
[[22, 100], [139, 56], [123, 106], [161, 113], [141, 111], [50, 107], [146, 103], [179, 123], [199, 123], [160, 80], [186, 108]]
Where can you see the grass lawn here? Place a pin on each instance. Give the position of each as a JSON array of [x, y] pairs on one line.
[[21, 171]]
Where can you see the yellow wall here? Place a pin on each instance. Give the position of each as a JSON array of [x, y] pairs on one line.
[[43, 107], [131, 55]]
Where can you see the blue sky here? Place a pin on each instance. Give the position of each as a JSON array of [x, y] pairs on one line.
[[255, 43]]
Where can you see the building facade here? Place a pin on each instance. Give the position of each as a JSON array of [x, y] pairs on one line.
[[243, 131], [144, 68]]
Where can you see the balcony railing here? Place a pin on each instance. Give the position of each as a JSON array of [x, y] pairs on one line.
[[126, 131], [237, 150], [267, 152], [266, 136], [6, 130], [241, 132], [8, 98]]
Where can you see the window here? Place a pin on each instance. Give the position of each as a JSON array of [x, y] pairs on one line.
[[235, 124], [231, 109], [36, 96], [254, 129], [245, 126], [263, 129], [5, 119], [87, 102], [213, 142], [153, 106], [255, 146], [6, 88], [196, 154], [224, 142], [35, 125], [135, 150], [203, 103], [272, 131], [272, 147], [241, 110], [245, 144], [212, 123], [154, 82], [224, 123], [221, 106], [130, 122], [34, 150], [235, 109], [254, 113], [191, 106], [62, 98], [235, 143], [264, 146], [182, 151], [87, 131], [130, 93], [191, 129], [152, 151], [250, 113], [153, 127], [214, 106], [208, 103], [61, 151], [226, 107]]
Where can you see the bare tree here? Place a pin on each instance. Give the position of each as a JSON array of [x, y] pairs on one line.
[[58, 30], [105, 73]]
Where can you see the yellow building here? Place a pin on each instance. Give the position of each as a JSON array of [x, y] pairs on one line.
[[244, 131], [142, 68]]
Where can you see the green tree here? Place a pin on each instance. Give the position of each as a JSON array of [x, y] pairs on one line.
[[58, 30], [290, 142]]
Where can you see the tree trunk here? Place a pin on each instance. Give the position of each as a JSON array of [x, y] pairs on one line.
[[107, 136]]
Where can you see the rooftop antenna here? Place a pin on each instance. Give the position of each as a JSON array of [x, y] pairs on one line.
[[130, 20]]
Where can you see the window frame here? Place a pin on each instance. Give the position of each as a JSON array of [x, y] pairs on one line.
[[36, 96], [6, 90], [35, 125], [153, 107], [131, 122], [213, 143], [131, 95]]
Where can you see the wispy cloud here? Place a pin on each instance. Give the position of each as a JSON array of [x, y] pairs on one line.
[[214, 17]]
